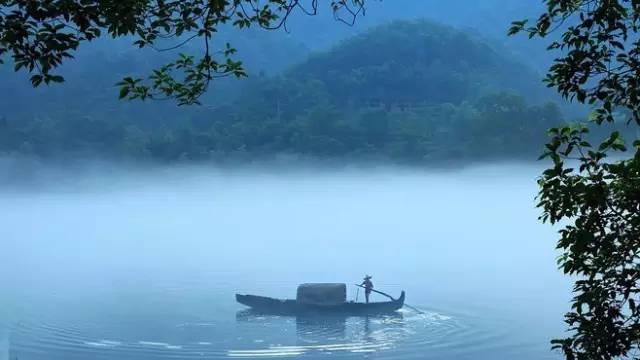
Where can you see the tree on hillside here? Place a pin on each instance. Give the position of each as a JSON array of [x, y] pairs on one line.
[[39, 35], [592, 195]]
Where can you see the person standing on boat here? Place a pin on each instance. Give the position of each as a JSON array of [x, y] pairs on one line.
[[368, 286]]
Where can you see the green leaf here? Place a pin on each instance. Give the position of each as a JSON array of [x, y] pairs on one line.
[[36, 80], [56, 78], [124, 91]]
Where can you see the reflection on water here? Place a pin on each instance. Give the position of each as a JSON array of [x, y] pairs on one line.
[[161, 334], [4, 342], [328, 334]]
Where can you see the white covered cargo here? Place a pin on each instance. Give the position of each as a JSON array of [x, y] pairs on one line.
[[322, 294]]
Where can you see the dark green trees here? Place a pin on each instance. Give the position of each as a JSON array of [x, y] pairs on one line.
[[592, 195]]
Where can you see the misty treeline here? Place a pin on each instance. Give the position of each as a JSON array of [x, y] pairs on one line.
[[496, 126]]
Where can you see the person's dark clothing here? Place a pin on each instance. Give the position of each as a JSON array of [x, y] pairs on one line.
[[368, 285]]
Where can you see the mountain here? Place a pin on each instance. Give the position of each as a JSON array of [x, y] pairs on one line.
[[488, 19], [416, 61], [407, 91], [407, 64]]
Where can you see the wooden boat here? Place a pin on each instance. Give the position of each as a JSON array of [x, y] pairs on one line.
[[269, 305]]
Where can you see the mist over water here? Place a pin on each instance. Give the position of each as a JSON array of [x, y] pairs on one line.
[[115, 263]]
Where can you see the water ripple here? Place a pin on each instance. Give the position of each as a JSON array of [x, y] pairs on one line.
[[406, 334]]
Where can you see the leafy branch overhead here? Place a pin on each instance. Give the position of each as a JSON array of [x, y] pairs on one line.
[[599, 49], [595, 199], [39, 35]]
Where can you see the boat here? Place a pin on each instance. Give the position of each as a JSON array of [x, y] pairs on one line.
[[319, 299]]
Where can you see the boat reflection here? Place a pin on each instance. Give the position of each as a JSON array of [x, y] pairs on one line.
[[334, 333], [310, 329]]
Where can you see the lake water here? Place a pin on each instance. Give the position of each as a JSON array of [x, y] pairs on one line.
[[115, 264]]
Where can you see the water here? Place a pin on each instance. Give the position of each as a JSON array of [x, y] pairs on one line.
[[145, 265]]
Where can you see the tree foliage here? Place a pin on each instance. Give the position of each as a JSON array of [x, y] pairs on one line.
[[593, 194], [498, 126], [417, 61], [39, 35]]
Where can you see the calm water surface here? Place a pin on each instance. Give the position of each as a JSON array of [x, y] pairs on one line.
[[145, 266]]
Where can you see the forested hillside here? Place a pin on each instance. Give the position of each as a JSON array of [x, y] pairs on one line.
[[409, 91]]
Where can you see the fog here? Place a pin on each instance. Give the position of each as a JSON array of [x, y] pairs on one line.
[[450, 234]]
